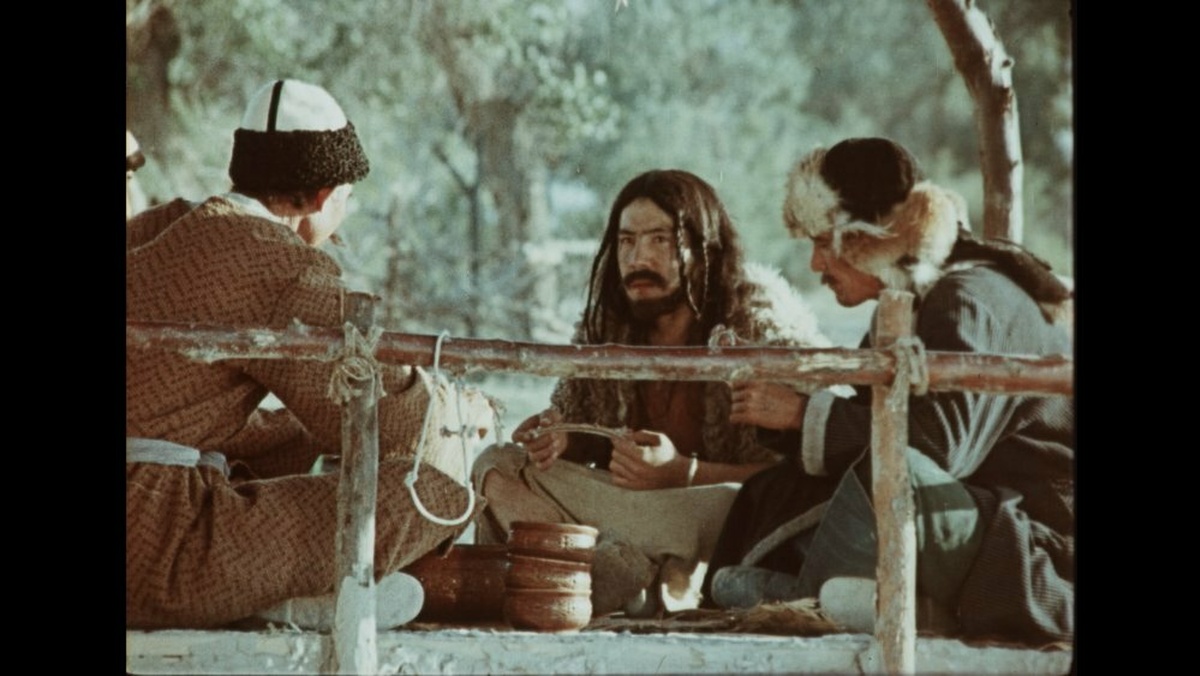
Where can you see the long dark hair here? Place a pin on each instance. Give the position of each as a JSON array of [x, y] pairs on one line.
[[709, 280]]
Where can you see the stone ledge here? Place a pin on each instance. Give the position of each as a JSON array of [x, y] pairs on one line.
[[487, 651]]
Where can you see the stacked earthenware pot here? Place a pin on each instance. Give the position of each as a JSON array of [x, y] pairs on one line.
[[465, 584], [549, 582]]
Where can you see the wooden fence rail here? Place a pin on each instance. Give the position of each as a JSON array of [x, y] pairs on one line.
[[1012, 374], [888, 367]]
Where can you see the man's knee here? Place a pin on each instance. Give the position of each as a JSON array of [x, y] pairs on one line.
[[505, 459], [497, 474], [499, 488]]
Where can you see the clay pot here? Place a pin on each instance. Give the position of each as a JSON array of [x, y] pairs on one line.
[[532, 572], [548, 609], [465, 585], [567, 541]]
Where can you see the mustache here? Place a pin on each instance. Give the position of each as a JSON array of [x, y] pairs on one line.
[[644, 275], [826, 279]]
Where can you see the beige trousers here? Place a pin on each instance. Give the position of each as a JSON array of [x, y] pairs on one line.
[[675, 528]]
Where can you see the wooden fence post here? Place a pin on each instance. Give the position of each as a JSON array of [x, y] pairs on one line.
[[896, 570], [355, 634]]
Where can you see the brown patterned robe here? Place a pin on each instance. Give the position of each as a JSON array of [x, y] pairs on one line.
[[202, 550]]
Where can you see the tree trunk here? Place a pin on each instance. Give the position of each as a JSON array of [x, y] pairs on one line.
[[152, 40], [510, 167], [398, 280], [987, 70]]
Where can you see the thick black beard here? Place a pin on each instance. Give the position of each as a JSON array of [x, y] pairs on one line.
[[646, 311]]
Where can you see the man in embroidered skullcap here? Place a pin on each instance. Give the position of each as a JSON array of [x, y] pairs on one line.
[[992, 474], [224, 518], [670, 271]]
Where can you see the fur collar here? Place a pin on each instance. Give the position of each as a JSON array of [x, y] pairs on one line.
[[780, 314]]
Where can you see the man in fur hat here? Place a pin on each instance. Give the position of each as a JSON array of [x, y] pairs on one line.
[[669, 272], [992, 474], [204, 548]]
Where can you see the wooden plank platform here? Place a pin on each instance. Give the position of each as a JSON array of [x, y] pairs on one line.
[[503, 651]]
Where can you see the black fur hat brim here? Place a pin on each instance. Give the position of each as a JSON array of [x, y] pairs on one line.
[[281, 161]]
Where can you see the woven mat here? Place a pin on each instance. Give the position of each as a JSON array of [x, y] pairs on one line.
[[793, 618]]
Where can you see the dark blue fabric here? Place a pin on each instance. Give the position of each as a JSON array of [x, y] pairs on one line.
[[1013, 453], [845, 543]]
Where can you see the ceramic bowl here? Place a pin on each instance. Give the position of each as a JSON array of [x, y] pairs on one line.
[[568, 541], [465, 585], [547, 610], [533, 572]]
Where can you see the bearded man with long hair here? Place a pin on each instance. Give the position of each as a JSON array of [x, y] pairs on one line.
[[670, 271]]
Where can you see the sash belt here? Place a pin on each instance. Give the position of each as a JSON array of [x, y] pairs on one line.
[[161, 452]]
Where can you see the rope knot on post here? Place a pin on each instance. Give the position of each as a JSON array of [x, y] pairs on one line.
[[356, 365], [912, 370]]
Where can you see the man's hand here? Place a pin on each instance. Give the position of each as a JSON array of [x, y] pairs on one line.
[[543, 448], [770, 405], [644, 460]]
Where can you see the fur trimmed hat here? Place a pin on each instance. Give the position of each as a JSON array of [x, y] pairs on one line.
[[903, 227], [294, 136]]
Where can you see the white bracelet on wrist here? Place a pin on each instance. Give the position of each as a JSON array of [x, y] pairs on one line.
[[691, 476]]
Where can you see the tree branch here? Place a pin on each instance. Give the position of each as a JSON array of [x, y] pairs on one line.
[[987, 70], [467, 188]]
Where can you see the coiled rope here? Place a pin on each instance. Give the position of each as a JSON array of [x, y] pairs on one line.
[[410, 480], [357, 364], [912, 370]]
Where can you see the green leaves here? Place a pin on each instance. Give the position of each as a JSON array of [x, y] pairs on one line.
[[733, 91]]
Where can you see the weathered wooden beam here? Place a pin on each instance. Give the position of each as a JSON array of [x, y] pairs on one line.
[[355, 633], [896, 569], [1010, 374]]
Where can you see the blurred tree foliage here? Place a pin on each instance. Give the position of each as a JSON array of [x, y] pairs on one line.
[[500, 130]]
